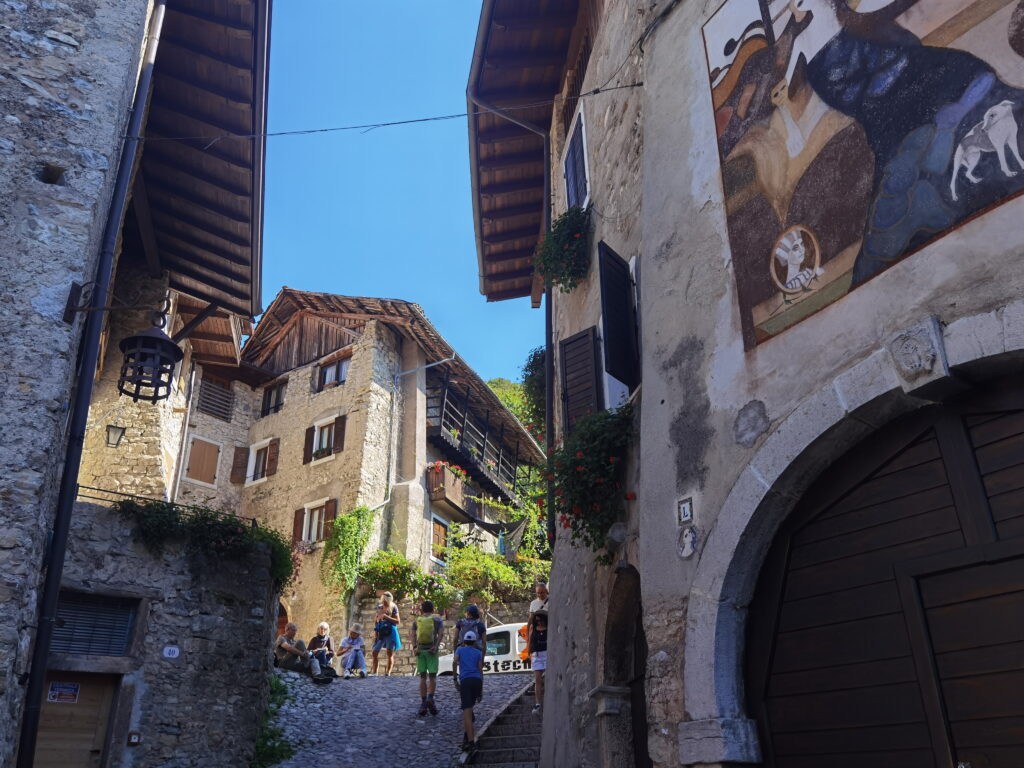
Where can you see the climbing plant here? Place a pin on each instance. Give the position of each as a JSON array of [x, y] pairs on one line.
[[343, 550]]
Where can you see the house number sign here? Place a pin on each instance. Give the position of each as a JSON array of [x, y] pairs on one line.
[[171, 652]]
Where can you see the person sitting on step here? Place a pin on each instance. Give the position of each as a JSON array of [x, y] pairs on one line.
[[353, 652], [292, 654]]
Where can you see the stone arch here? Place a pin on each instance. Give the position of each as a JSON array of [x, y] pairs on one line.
[[824, 427]]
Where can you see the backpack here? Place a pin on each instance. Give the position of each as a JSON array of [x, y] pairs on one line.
[[425, 631]]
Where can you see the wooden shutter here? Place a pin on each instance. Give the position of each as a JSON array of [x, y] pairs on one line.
[[576, 168], [307, 448], [239, 464], [330, 514], [273, 450], [94, 625], [581, 385], [339, 434], [297, 523], [202, 461], [618, 315]]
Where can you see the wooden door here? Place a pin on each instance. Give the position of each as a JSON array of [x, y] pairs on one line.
[[74, 719], [887, 629]]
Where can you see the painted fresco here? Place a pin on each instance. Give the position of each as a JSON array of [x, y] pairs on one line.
[[851, 134]]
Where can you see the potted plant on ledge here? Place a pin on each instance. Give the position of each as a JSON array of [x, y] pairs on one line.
[[563, 256]]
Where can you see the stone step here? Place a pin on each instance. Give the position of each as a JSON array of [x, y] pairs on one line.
[[516, 726], [506, 765], [511, 741], [486, 756]]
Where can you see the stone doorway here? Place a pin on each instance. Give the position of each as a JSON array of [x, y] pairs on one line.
[[282, 618]]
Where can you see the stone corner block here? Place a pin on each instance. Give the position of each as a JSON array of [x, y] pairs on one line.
[[725, 740], [919, 357]]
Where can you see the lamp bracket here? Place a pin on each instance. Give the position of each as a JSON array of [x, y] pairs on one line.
[[80, 300]]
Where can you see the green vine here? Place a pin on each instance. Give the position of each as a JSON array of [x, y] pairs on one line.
[[207, 532], [562, 257], [587, 475], [343, 551], [533, 394]]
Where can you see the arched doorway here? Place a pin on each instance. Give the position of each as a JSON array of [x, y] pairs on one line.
[[282, 618], [625, 668], [887, 628]]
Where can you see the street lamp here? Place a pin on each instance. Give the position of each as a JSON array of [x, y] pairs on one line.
[[148, 366], [114, 435]]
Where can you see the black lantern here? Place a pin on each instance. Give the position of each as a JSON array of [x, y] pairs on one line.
[[148, 367], [114, 435]]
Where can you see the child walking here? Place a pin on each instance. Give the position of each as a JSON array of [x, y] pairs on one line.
[[426, 636], [468, 669], [539, 658], [353, 651]]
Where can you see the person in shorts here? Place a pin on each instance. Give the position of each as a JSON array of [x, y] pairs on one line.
[[468, 670], [472, 623], [427, 631], [385, 627], [539, 658]]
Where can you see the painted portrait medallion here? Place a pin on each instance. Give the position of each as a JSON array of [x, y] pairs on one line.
[[852, 133]]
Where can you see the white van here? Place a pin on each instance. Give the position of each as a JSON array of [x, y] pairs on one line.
[[503, 648]]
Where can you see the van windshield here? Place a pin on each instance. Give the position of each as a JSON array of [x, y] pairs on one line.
[[498, 644]]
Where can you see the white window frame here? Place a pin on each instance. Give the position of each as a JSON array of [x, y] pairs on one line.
[[317, 427], [251, 464], [306, 520], [610, 385], [434, 517], [188, 458], [577, 118]]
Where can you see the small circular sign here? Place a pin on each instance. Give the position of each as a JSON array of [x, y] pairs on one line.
[[171, 652]]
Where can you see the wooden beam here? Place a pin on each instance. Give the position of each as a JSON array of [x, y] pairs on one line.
[[208, 17], [215, 359], [207, 295], [226, 131], [527, 22], [497, 214], [192, 324], [511, 161], [536, 290], [195, 50], [512, 235], [513, 293], [195, 242], [185, 257], [526, 60], [214, 283], [515, 274], [399, 319], [198, 174], [211, 337], [518, 185], [241, 99], [504, 133], [522, 253], [165, 134], [189, 196], [210, 229], [512, 98], [143, 217]]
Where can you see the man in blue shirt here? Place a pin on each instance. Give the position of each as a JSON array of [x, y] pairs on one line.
[[468, 669]]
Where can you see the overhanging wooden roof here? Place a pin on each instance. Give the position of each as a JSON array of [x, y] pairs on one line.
[[519, 59], [199, 201], [291, 305]]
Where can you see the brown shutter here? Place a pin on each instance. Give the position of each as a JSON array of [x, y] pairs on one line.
[[339, 434], [273, 450], [202, 461], [307, 449], [330, 513], [239, 464], [300, 518], [581, 384]]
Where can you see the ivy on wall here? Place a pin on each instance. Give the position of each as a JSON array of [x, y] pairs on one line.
[[343, 550]]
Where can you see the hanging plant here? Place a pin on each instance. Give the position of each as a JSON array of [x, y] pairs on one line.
[[562, 257], [587, 475], [343, 550]]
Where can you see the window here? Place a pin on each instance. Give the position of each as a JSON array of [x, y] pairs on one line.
[[574, 166], [315, 521], [579, 364], [498, 644], [216, 398], [333, 374], [262, 461], [273, 399], [619, 336], [201, 466], [95, 625], [438, 539], [324, 439]]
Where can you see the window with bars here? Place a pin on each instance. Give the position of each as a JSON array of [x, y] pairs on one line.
[[333, 373], [94, 625], [216, 398], [273, 399]]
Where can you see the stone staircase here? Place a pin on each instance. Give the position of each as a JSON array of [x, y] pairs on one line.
[[512, 740]]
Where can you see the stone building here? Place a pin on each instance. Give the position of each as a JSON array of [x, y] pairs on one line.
[[361, 404], [118, 204], [805, 272]]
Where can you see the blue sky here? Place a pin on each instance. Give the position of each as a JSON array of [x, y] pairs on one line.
[[386, 213]]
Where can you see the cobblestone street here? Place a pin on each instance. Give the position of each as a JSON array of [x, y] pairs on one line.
[[372, 722]]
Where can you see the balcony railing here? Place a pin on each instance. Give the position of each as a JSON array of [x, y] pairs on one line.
[[470, 440], [447, 490]]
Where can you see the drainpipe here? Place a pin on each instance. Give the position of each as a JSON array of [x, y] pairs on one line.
[[549, 355], [54, 562]]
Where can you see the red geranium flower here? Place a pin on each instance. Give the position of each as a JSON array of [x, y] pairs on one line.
[[576, 510], [630, 495], [613, 459], [580, 468], [579, 454]]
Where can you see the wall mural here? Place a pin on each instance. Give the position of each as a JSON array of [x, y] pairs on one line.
[[853, 132]]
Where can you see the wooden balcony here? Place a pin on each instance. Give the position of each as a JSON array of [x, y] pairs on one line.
[[448, 491]]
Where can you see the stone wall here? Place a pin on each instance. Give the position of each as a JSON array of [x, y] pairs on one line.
[[69, 75], [219, 613]]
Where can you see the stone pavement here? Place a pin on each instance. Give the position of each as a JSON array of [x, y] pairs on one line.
[[372, 722]]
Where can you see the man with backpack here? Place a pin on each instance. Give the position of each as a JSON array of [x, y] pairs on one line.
[[427, 631], [472, 623]]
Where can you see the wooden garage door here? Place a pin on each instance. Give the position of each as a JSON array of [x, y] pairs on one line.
[[74, 721], [888, 625]]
